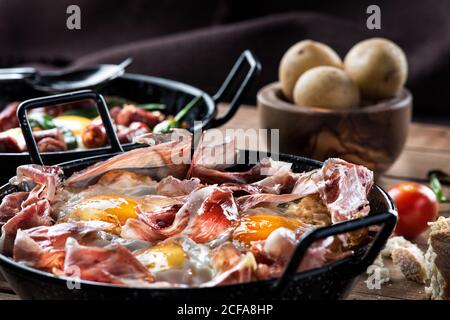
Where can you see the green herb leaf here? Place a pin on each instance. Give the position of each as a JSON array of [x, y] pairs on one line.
[[183, 112], [152, 106], [42, 121], [437, 188], [69, 138], [166, 126], [113, 101]]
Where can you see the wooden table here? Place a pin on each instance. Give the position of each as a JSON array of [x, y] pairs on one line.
[[427, 148]]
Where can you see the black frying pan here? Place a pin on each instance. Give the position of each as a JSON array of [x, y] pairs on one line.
[[141, 89], [329, 282]]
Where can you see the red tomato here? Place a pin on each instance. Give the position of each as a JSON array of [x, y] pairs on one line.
[[417, 205]]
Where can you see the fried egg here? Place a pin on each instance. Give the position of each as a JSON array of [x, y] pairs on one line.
[[126, 183], [112, 208], [76, 124], [178, 260], [114, 198], [258, 226]]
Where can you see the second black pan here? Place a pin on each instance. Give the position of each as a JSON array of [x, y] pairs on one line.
[[142, 89]]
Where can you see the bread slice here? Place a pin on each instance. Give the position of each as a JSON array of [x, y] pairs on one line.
[[408, 257], [438, 260], [395, 242], [411, 262]]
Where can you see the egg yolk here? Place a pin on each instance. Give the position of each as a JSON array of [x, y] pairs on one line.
[[76, 124], [163, 256], [110, 208], [254, 227]]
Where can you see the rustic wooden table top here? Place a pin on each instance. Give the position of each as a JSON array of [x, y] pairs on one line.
[[427, 148]]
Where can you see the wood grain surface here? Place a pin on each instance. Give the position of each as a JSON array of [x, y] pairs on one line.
[[427, 148]]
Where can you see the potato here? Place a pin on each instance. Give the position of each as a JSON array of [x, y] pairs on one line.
[[301, 57], [378, 66], [326, 87]]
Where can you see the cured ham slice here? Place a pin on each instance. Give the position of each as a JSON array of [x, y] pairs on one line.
[[46, 179], [342, 186], [238, 270], [139, 230], [208, 213], [168, 154], [281, 243], [216, 217], [111, 264], [344, 189], [305, 183], [255, 175], [36, 214], [241, 188], [160, 218], [30, 253], [11, 205], [35, 208], [43, 247], [225, 257], [250, 201], [213, 154], [279, 178], [173, 187]]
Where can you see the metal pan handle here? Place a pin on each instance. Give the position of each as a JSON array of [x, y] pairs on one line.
[[387, 220], [61, 99], [246, 59]]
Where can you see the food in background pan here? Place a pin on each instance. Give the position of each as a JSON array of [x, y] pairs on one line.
[[144, 218], [77, 125]]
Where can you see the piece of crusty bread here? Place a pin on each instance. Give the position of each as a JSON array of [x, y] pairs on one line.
[[411, 262], [438, 260], [394, 242], [408, 257]]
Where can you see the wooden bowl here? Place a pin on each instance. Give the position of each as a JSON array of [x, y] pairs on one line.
[[373, 135]]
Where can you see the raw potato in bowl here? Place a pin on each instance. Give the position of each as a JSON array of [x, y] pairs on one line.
[[326, 87], [301, 57], [378, 66]]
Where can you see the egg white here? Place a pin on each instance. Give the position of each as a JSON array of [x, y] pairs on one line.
[[121, 183], [194, 270]]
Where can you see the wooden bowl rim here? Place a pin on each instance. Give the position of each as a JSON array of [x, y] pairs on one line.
[[269, 97]]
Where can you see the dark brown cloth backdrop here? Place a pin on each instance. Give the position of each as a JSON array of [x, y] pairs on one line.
[[197, 41]]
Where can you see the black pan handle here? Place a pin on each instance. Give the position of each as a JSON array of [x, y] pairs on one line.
[[387, 220], [245, 60], [61, 99]]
